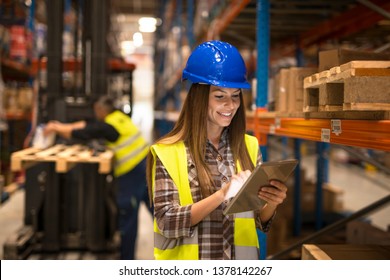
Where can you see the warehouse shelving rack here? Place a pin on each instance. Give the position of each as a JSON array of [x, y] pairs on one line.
[[369, 134], [59, 206]]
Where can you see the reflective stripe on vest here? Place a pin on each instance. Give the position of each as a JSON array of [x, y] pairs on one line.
[[130, 148], [174, 159]]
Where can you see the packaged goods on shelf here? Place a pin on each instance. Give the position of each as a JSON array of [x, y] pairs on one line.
[[295, 87], [17, 98], [289, 88], [18, 48], [354, 86], [331, 58], [281, 90]]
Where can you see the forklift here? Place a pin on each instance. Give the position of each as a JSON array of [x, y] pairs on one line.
[[73, 211]]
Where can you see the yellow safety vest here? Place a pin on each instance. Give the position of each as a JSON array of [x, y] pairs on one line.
[[174, 159], [130, 148]]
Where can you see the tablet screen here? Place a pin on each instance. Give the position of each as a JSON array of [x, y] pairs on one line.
[[246, 199]]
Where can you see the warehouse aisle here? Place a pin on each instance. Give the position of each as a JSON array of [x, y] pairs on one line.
[[360, 188], [143, 118]]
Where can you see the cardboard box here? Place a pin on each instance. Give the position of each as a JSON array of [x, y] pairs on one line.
[[345, 252], [331, 58], [333, 197], [359, 232], [282, 95], [289, 88], [295, 87]]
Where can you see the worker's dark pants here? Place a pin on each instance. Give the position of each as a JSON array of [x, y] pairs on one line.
[[132, 190]]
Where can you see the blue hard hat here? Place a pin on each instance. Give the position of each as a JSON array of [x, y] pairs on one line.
[[216, 63]]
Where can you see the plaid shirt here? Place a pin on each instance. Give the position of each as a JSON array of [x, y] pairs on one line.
[[175, 220]]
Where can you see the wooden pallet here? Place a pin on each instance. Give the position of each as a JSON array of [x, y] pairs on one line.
[[354, 86], [64, 157]]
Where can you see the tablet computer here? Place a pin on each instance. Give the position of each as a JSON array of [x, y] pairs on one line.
[[246, 198]]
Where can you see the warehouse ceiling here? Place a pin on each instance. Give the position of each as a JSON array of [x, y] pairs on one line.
[[303, 23]]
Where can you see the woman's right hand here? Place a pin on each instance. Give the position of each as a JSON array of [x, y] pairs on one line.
[[231, 188]]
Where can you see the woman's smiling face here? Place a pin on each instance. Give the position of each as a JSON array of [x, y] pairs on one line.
[[223, 105]]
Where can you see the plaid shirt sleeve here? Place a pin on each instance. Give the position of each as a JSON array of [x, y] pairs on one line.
[[173, 220]]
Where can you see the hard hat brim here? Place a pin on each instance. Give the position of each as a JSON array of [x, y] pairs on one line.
[[200, 80]]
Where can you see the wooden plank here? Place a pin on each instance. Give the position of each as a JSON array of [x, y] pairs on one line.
[[371, 72], [65, 157], [340, 77], [21, 164], [290, 115], [26, 151], [312, 252], [330, 108], [366, 106], [63, 164], [348, 70], [17, 158], [105, 162], [335, 70], [350, 115], [85, 155], [324, 74], [69, 151], [51, 151], [365, 64]]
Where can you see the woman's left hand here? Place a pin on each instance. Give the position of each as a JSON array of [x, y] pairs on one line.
[[274, 194]]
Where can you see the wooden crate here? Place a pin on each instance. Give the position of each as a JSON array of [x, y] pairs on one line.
[[289, 89], [295, 87], [345, 252], [64, 157], [358, 86]]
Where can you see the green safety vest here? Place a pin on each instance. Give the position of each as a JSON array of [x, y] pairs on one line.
[[174, 159], [131, 147]]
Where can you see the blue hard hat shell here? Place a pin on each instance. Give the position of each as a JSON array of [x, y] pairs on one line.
[[216, 63]]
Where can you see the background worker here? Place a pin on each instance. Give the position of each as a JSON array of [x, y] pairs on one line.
[[191, 168], [130, 150]]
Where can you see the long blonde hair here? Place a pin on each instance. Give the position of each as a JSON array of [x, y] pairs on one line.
[[191, 128]]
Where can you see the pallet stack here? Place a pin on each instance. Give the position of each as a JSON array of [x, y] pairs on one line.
[[356, 89], [70, 202], [347, 84], [64, 157]]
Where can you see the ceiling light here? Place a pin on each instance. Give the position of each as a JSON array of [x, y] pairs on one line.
[[138, 39], [147, 24], [127, 48]]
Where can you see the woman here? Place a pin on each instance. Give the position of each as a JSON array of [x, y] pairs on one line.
[[191, 168]]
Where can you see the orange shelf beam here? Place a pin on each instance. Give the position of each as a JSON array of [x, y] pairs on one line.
[[359, 133], [75, 65]]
